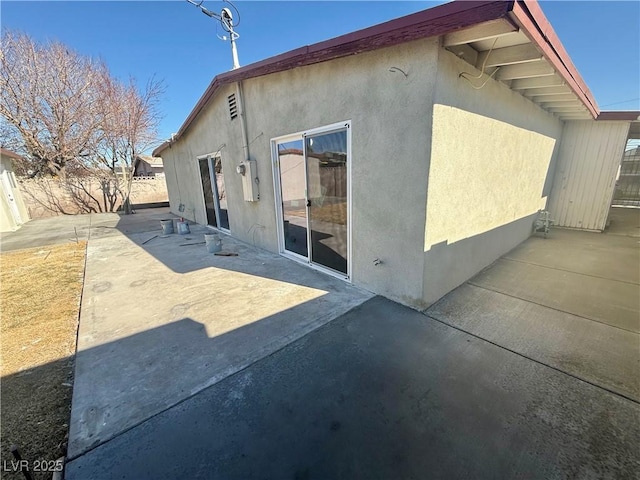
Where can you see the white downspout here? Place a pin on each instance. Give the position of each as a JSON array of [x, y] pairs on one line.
[[243, 120]]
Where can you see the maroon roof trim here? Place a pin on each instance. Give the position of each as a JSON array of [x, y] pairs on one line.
[[627, 115], [536, 26], [10, 154]]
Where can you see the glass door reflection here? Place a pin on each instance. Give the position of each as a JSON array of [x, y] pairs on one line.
[[221, 194], [207, 191], [293, 194], [326, 162]]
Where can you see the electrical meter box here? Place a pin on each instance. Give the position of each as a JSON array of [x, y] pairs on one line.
[[249, 171]]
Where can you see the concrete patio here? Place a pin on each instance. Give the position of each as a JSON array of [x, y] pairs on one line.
[[162, 319], [571, 302], [196, 366]]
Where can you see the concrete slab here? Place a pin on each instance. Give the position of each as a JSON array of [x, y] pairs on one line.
[[608, 301], [162, 319], [51, 231], [66, 228], [600, 354], [624, 221], [599, 255], [383, 392]]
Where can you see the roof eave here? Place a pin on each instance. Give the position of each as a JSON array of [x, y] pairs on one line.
[[433, 22], [428, 23], [537, 27]]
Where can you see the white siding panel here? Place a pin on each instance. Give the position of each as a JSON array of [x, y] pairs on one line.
[[585, 177]]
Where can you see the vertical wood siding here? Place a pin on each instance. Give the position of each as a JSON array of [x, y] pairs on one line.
[[585, 177]]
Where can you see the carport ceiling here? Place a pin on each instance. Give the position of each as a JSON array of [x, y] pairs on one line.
[[634, 131], [509, 55]]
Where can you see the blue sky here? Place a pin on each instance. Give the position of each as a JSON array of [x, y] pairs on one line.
[[175, 42]]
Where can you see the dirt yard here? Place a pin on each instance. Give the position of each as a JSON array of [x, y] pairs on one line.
[[40, 291]]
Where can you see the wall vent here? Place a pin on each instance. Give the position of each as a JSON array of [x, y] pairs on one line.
[[233, 106]]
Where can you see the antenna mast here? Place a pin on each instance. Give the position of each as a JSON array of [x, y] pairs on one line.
[[226, 20]]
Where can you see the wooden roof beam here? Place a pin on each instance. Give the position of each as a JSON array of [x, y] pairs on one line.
[[525, 70], [536, 92], [483, 31], [508, 56], [584, 116], [567, 109], [575, 103], [567, 97], [537, 82]]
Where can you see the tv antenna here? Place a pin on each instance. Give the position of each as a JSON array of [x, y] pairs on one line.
[[225, 18]]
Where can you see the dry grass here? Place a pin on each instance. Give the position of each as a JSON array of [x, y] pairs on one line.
[[39, 301]]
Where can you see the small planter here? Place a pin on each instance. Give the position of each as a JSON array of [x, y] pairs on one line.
[[167, 226], [183, 228], [213, 242]]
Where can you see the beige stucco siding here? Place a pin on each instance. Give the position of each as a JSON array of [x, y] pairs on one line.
[[492, 161], [491, 180], [445, 178], [589, 157], [7, 222], [391, 123], [10, 192], [390, 118], [212, 133]]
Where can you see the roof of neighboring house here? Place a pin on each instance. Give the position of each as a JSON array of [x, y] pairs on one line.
[[620, 115], [152, 161], [10, 154], [515, 35]]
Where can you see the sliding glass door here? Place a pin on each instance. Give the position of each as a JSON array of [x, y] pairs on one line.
[[311, 171], [326, 160], [214, 192]]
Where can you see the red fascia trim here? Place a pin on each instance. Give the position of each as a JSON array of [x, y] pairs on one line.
[[627, 115], [536, 26], [433, 22], [10, 154]]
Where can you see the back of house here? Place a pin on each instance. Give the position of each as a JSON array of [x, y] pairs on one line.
[[404, 157]]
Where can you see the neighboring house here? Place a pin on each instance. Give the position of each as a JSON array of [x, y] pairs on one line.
[[148, 166], [377, 156], [13, 211]]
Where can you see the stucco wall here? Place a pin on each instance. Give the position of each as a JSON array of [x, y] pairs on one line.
[[589, 157], [7, 220], [434, 214], [492, 163], [212, 132], [391, 124], [7, 223]]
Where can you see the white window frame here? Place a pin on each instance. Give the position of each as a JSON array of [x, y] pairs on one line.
[[278, 198]]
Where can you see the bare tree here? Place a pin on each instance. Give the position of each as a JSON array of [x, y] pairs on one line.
[[130, 127], [49, 96], [72, 120]]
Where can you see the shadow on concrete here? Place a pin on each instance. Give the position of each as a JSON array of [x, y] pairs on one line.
[[189, 319], [448, 265], [187, 253], [123, 382], [382, 392], [569, 301]]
